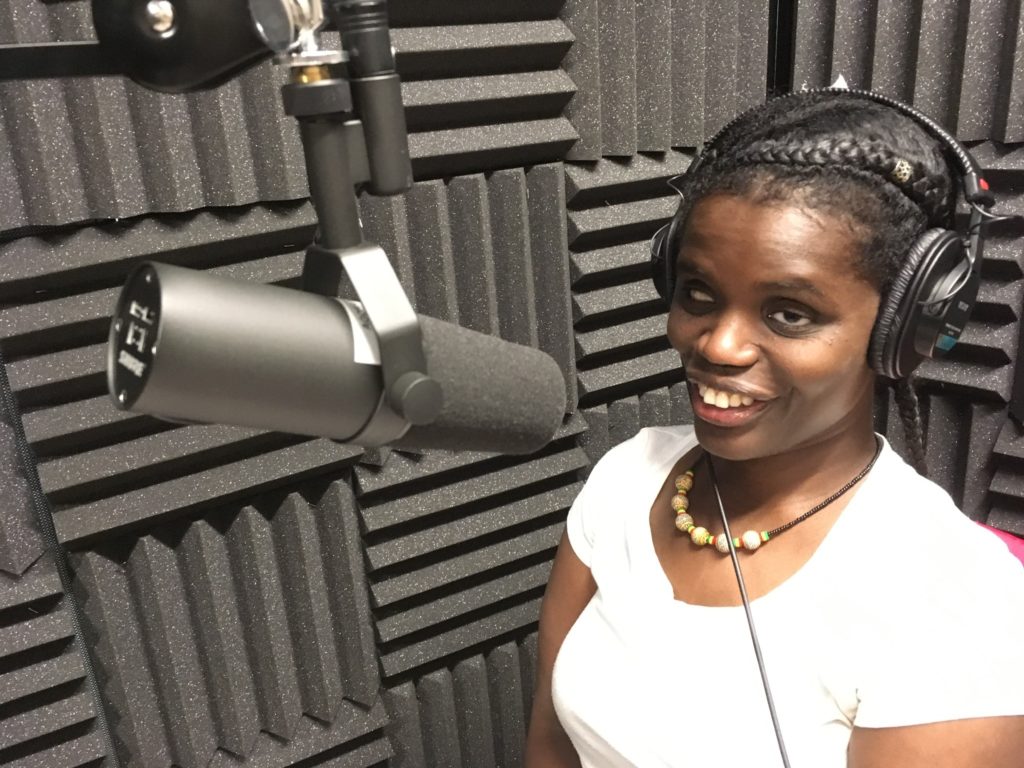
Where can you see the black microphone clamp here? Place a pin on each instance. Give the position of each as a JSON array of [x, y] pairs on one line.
[[386, 311], [176, 46]]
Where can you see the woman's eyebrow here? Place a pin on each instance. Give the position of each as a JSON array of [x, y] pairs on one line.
[[794, 284], [797, 284], [683, 263], [790, 284], [692, 236]]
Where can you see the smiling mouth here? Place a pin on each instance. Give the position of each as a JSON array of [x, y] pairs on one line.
[[723, 408], [721, 398]]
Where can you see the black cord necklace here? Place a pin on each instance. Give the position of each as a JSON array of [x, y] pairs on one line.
[[750, 540]]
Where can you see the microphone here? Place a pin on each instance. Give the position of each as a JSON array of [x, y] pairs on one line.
[[188, 346]]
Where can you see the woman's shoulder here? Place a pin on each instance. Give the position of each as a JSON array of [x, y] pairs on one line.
[[668, 439], [615, 481], [650, 450], [903, 498], [918, 580], [650, 447], [920, 536]]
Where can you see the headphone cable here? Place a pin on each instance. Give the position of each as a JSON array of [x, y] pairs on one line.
[[750, 617], [994, 217]]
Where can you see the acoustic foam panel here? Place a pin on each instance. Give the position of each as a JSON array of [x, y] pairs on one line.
[[47, 713], [459, 545], [614, 208], [958, 62], [20, 542], [87, 148], [1006, 469], [660, 74], [479, 96], [243, 635], [1007, 479], [608, 425], [472, 715]]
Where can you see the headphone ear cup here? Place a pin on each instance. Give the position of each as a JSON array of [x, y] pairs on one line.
[[663, 260], [933, 255], [659, 262]]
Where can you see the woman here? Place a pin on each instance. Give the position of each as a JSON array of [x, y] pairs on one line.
[[891, 626]]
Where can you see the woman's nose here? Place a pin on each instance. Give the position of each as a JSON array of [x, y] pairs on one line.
[[729, 340]]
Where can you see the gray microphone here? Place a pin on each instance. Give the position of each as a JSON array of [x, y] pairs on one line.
[[188, 346]]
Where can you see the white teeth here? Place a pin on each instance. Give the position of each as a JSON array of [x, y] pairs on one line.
[[722, 399]]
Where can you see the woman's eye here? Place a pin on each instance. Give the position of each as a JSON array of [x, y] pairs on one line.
[[697, 294], [790, 318], [694, 297]]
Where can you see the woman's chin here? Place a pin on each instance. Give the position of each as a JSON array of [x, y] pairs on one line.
[[727, 447], [736, 443]]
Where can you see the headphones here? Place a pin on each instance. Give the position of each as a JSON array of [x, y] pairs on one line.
[[924, 311]]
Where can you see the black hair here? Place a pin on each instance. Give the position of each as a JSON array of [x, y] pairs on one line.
[[862, 163]]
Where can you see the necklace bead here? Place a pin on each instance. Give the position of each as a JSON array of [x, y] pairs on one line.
[[751, 540], [684, 522]]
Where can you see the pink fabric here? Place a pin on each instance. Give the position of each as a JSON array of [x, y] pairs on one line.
[[1015, 544]]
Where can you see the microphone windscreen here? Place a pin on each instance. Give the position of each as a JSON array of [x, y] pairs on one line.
[[498, 396]]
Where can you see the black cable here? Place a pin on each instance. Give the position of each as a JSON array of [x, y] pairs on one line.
[[750, 617], [24, 61], [994, 217]]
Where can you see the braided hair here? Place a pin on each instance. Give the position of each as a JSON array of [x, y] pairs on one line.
[[865, 165]]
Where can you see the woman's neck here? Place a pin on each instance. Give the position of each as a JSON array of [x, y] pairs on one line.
[[801, 476]]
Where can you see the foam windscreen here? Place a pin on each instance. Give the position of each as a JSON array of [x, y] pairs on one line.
[[498, 396]]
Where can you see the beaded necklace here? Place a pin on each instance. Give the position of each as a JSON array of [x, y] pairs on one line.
[[750, 540]]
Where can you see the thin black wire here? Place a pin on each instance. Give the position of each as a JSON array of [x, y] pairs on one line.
[[993, 217], [750, 618]]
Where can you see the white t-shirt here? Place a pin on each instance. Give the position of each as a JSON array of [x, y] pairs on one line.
[[907, 613]]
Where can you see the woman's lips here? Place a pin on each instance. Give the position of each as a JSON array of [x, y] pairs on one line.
[[733, 416]]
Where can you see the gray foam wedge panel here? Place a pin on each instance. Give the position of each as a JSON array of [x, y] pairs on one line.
[[958, 62]]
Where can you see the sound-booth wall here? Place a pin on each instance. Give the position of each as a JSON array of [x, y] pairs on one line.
[[202, 595]]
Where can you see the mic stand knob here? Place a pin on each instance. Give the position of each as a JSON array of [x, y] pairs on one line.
[[419, 397]]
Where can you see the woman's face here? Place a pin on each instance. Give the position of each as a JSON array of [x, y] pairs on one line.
[[772, 324]]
